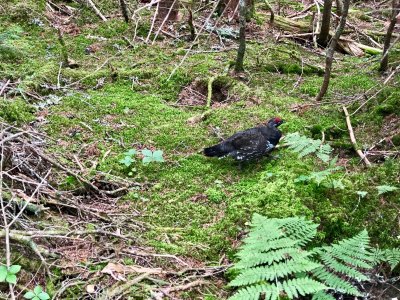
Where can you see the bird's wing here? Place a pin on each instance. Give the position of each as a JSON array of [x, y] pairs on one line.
[[248, 141]]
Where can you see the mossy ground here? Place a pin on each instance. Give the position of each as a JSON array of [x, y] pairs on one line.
[[198, 207]]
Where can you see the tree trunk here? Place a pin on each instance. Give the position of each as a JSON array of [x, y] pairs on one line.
[[385, 57], [326, 22], [250, 9], [124, 10], [331, 50], [242, 36], [191, 26], [339, 7]]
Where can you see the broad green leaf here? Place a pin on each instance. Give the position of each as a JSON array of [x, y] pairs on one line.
[[14, 269], [36, 298], [11, 278], [43, 296], [29, 295], [3, 273], [147, 152], [38, 289], [147, 159], [382, 189], [127, 161], [158, 156]]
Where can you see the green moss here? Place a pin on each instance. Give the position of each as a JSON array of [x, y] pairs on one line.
[[16, 111], [396, 140]]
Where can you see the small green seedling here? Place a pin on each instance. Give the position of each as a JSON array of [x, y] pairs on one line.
[[8, 275], [150, 156], [128, 159], [37, 294]]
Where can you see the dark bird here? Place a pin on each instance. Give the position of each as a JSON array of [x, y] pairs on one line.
[[249, 144]]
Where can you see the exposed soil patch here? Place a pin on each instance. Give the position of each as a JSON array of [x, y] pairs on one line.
[[195, 94]]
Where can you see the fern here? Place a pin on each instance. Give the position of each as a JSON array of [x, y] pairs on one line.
[[391, 256], [292, 288], [273, 264], [321, 295], [335, 282], [273, 272], [305, 146], [342, 261], [254, 292], [271, 257]]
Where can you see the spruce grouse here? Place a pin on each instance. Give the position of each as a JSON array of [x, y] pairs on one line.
[[249, 144]]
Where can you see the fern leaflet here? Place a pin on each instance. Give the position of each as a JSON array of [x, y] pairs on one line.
[[304, 146]]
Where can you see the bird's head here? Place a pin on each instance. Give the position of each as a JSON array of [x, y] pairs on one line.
[[275, 122]]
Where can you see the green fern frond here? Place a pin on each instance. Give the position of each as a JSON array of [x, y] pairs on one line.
[[274, 271], [292, 288], [254, 292], [335, 282], [355, 251], [321, 295], [305, 146], [338, 267], [254, 245], [250, 259], [299, 229], [391, 256], [300, 286], [271, 229]]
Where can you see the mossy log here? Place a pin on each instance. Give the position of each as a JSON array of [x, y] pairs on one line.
[[287, 24]]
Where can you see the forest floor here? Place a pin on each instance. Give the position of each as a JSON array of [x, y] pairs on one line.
[[184, 219]]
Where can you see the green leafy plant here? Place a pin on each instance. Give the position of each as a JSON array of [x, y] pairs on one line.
[[9, 274], [391, 256], [150, 156], [128, 159], [37, 294], [324, 176], [382, 189], [305, 146], [273, 262], [271, 254]]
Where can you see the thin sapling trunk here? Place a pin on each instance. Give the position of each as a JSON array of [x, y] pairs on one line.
[[331, 50]]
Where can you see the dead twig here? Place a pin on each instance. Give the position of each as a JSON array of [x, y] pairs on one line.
[[4, 87], [96, 10], [353, 138], [182, 287], [152, 23], [120, 289]]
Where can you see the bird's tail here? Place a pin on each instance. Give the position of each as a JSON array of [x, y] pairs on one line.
[[217, 150]]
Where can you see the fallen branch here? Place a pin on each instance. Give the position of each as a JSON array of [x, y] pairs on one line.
[[4, 87], [120, 289], [209, 87], [353, 138], [96, 10], [183, 287]]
